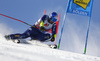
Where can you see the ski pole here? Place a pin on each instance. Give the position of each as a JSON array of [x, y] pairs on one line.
[[16, 20]]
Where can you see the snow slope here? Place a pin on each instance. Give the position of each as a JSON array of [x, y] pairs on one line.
[[27, 52]]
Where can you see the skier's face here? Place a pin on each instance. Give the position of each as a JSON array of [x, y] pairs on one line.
[[51, 22], [53, 19]]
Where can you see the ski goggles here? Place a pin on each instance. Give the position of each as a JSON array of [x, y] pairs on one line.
[[54, 19]]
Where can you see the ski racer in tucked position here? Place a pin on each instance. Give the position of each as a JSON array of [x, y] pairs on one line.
[[44, 29]]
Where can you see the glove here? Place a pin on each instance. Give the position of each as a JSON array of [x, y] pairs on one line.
[[42, 28], [52, 39]]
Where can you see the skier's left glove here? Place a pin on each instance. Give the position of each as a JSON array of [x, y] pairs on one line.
[[53, 38]]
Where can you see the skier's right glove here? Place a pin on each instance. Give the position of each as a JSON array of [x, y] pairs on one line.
[[42, 28]]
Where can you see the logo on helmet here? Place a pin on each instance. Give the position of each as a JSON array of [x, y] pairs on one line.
[[53, 16]]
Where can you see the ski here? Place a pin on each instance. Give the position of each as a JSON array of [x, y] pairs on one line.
[[39, 43], [33, 42]]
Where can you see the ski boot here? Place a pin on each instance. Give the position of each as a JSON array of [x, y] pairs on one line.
[[16, 41], [53, 46]]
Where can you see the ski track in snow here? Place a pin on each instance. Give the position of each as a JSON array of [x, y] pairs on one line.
[[27, 52]]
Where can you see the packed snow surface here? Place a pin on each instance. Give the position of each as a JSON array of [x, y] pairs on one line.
[[10, 51]]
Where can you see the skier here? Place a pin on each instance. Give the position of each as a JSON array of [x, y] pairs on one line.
[[42, 30]]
